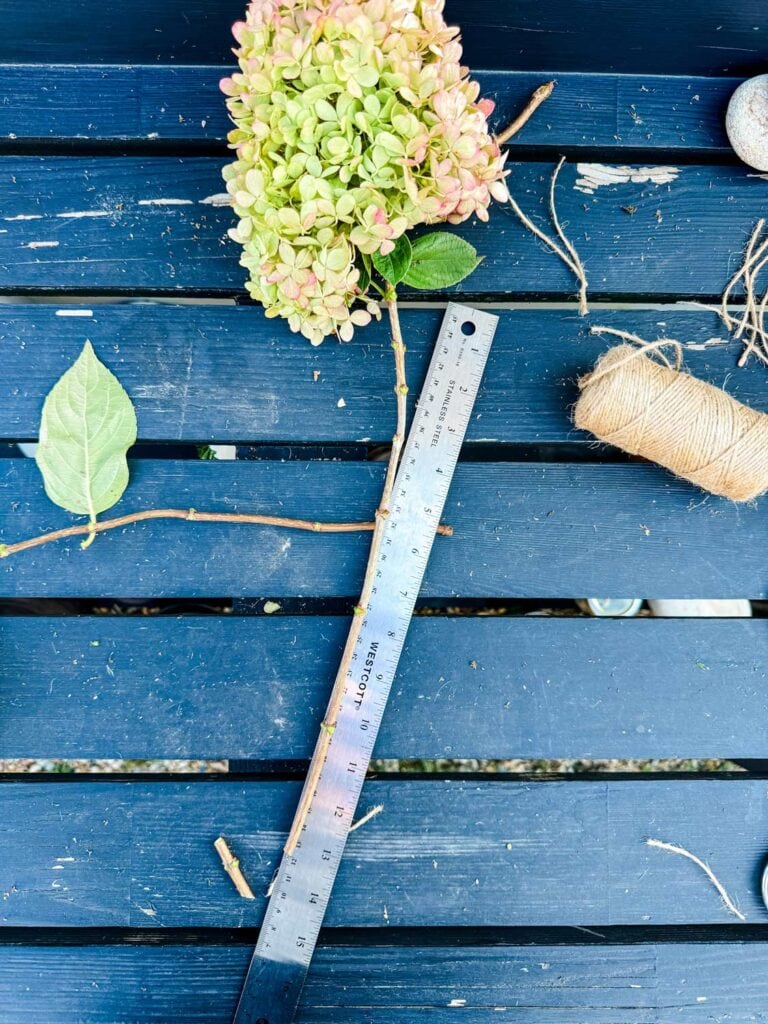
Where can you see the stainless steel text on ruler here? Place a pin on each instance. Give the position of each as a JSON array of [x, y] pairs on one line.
[[302, 887]]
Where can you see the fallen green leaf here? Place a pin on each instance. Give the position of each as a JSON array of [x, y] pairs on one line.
[[88, 425]]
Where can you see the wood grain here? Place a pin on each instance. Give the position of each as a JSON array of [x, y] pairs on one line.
[[225, 373], [163, 103], [140, 854], [707, 37], [149, 228], [216, 687], [521, 530], [625, 984]]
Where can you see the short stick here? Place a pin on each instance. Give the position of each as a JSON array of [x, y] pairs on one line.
[[232, 867], [537, 98], [670, 848]]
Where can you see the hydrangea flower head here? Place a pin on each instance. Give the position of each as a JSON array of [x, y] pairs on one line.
[[355, 121]]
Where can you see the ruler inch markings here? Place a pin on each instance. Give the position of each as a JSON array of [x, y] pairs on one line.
[[304, 881]]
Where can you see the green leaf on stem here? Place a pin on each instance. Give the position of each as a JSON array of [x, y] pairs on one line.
[[88, 425], [439, 260], [394, 266]]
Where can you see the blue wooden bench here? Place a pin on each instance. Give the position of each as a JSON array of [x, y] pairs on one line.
[[494, 898]]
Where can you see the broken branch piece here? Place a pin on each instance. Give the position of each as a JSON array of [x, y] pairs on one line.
[[537, 98], [232, 867]]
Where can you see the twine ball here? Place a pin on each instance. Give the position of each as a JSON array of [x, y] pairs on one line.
[[690, 427], [746, 122]]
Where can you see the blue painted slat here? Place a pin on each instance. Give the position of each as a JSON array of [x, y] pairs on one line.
[[140, 854], [225, 373], [148, 227], [521, 530], [181, 103], [593, 35], [629, 984], [467, 687]]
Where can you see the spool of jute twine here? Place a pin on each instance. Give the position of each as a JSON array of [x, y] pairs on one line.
[[636, 399]]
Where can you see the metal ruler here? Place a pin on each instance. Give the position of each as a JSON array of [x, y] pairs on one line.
[[302, 887]]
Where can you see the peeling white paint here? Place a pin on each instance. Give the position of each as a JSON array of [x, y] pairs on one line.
[[763, 176], [217, 199], [593, 176], [699, 346], [74, 312], [25, 216], [78, 214], [165, 202], [40, 245], [458, 1002]]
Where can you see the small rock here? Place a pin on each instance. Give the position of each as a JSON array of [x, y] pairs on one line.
[[746, 122]]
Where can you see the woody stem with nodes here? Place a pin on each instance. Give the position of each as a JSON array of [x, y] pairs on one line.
[[330, 720], [337, 694]]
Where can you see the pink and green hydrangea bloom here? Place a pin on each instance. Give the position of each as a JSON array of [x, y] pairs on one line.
[[355, 122]]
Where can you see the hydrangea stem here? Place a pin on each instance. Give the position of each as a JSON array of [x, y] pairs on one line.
[[90, 530], [337, 694]]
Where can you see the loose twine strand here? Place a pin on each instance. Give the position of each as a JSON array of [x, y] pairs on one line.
[[568, 255], [638, 400], [671, 848], [750, 327]]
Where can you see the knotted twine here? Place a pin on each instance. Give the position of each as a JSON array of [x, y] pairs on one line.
[[639, 401]]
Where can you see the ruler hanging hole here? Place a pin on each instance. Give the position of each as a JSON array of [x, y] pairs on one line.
[[468, 328]]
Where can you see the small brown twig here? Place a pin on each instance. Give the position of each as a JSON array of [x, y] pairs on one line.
[[340, 684], [670, 848], [537, 98], [232, 867], [569, 256], [191, 515]]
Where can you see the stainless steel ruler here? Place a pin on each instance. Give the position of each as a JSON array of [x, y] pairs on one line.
[[302, 887]]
